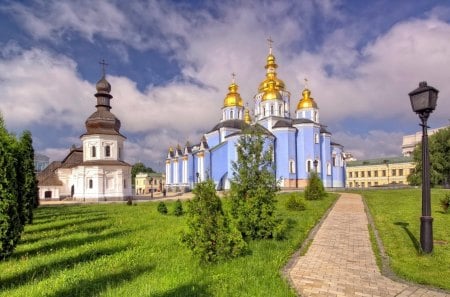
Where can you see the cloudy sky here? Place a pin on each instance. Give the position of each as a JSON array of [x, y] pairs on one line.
[[170, 63]]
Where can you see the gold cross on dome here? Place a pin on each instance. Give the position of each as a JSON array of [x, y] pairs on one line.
[[104, 64], [233, 79], [270, 43], [306, 83]]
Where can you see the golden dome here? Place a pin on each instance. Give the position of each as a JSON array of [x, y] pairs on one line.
[[271, 75], [271, 93], [233, 98], [306, 101], [247, 118]]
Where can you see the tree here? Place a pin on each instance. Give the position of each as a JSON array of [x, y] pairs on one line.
[[439, 148], [139, 167], [178, 208], [254, 186], [314, 190], [10, 222], [210, 235]]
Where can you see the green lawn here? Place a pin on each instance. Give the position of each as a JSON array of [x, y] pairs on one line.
[[397, 218], [120, 250]]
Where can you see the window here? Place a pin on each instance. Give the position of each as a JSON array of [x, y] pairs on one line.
[[376, 183], [231, 114], [315, 116], [279, 110], [363, 185], [93, 152], [107, 151], [120, 154], [394, 172], [362, 173], [383, 173], [356, 173], [335, 164], [375, 173], [350, 184], [350, 174], [400, 172], [91, 184], [411, 170], [124, 183], [369, 184], [308, 166], [328, 169], [369, 173], [316, 138], [291, 166], [271, 110]]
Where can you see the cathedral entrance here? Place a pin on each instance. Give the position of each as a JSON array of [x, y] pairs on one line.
[[48, 194]]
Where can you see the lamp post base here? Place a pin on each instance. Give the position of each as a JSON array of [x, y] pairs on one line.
[[426, 234]]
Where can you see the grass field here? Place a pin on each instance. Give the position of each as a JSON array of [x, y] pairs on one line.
[[397, 218], [120, 250]]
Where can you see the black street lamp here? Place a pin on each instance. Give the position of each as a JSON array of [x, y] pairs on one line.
[[423, 102], [315, 162], [198, 176]]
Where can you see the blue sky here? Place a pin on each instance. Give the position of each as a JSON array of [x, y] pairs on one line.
[[170, 63]]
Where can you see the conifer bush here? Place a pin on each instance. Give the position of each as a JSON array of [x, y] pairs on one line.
[[314, 190], [178, 208], [445, 203], [295, 203], [210, 236], [162, 208]]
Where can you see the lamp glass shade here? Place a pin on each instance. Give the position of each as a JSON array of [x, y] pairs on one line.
[[423, 98]]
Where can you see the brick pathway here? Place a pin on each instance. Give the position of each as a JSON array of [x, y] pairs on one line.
[[340, 261]]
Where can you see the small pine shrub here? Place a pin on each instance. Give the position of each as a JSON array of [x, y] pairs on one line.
[[162, 208], [295, 203], [129, 201], [314, 190], [445, 203], [178, 209]]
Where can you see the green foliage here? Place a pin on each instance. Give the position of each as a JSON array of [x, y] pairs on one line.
[[253, 186], [162, 208], [139, 167], [178, 208], [445, 203], [439, 148], [295, 203], [11, 225], [314, 190], [211, 236]]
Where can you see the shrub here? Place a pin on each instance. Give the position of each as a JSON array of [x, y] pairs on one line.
[[210, 235], [295, 203], [445, 203], [162, 208], [178, 209], [314, 190]]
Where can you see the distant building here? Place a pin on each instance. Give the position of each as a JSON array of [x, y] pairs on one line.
[[410, 141], [145, 183], [379, 172], [40, 162], [96, 171]]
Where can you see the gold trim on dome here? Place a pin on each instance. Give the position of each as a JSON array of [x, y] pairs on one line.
[[185, 158], [271, 74], [201, 154], [272, 93], [247, 118], [233, 98], [167, 161]]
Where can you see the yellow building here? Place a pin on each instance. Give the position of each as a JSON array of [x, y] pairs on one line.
[[145, 183], [379, 172]]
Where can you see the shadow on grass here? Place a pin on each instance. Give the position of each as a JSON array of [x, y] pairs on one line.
[[93, 287], [62, 224], [187, 290], [48, 268], [65, 212], [414, 240], [68, 243], [29, 239]]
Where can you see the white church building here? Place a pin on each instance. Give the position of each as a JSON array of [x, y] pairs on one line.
[[96, 170]]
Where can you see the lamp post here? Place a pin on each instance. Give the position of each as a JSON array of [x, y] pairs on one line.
[[198, 176], [315, 162], [151, 187], [423, 102]]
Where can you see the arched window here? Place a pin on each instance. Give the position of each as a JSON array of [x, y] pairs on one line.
[[271, 110], [291, 166], [315, 116], [265, 111], [328, 169], [334, 160], [316, 138], [93, 152], [279, 110], [107, 151], [91, 183], [308, 166], [231, 114]]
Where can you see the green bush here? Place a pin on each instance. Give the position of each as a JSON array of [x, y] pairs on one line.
[[445, 203], [178, 209], [162, 208], [210, 235], [314, 190], [295, 203]]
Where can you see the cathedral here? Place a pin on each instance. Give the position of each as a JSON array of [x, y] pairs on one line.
[[301, 143], [96, 170]]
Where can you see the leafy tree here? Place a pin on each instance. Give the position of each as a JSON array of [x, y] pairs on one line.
[[210, 235], [10, 222], [314, 190], [254, 185], [139, 167], [439, 148], [178, 209]]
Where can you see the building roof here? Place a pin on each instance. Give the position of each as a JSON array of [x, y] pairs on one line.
[[235, 124], [380, 161], [73, 159], [48, 177], [105, 163]]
